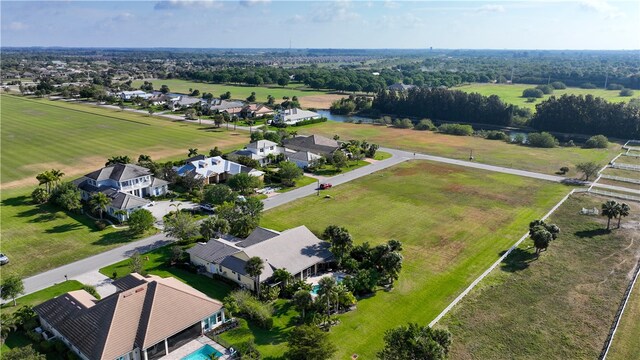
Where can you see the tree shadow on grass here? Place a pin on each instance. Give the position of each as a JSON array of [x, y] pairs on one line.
[[63, 228], [118, 237], [592, 233], [23, 200], [210, 129], [517, 260]]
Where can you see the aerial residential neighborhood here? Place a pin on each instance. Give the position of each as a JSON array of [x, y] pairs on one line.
[[306, 180]]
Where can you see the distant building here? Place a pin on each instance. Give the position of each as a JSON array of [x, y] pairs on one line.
[[129, 95], [293, 116], [400, 87]]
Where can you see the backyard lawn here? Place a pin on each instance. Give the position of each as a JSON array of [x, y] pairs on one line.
[[38, 238], [493, 152], [560, 305], [453, 222], [38, 135], [237, 91], [512, 93]]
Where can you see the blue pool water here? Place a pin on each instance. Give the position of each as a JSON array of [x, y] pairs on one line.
[[204, 353], [338, 277]]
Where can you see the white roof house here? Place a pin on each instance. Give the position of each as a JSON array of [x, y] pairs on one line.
[[295, 115], [214, 169], [128, 95]]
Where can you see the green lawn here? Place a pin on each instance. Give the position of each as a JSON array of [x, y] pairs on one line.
[[512, 93], [625, 343], [237, 91], [381, 155], [157, 265], [559, 306], [303, 181], [38, 135], [453, 222], [330, 170], [493, 152], [38, 238]]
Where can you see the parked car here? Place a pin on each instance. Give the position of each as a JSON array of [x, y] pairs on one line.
[[3, 259], [325, 186]]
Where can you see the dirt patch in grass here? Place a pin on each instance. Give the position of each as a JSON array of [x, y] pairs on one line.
[[319, 101]]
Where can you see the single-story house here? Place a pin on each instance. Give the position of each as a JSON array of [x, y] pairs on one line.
[[296, 250], [234, 111], [147, 318], [128, 95], [255, 110], [400, 87], [315, 144], [215, 169], [219, 104], [295, 115], [125, 184], [303, 158]]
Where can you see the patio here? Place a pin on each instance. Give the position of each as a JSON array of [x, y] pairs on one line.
[[193, 346]]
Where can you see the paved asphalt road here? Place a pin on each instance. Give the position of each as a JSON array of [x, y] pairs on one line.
[[48, 278]]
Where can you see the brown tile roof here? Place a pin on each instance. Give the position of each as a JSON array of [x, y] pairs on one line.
[[139, 317]]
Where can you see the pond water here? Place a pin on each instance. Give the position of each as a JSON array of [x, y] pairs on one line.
[[343, 118], [513, 134]]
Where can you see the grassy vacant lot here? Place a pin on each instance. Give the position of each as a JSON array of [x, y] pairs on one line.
[[512, 93], [559, 306], [237, 91], [38, 135], [633, 160], [458, 147], [452, 221], [625, 343], [38, 238]]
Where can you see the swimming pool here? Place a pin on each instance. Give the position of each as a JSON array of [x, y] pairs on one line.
[[204, 353], [339, 277]]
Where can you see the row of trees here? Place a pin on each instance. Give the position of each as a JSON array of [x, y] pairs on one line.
[[612, 209], [447, 105], [587, 115]]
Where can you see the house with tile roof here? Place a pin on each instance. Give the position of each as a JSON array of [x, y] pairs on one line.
[[296, 250], [146, 319], [261, 151], [126, 185], [214, 170], [316, 144]]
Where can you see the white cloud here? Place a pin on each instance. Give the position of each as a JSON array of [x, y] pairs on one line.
[[490, 8], [177, 4], [602, 7], [408, 21], [335, 11], [249, 3], [295, 19], [16, 26]]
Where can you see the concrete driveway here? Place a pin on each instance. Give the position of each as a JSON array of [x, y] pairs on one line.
[[162, 208]]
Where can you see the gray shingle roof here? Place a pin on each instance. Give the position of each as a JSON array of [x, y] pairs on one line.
[[212, 251], [119, 172], [258, 235], [315, 144]]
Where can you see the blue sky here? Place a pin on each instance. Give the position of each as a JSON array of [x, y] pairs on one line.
[[540, 24]]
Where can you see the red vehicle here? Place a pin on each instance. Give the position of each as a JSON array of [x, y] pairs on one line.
[[325, 186]]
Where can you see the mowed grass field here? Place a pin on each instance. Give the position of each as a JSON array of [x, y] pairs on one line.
[[453, 222], [237, 91], [512, 93], [492, 152], [38, 135], [39, 238], [558, 306], [626, 343]]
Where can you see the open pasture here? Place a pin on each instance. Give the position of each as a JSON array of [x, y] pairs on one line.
[[38, 135]]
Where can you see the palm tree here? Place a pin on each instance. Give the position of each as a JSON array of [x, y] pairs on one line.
[[281, 276], [221, 226], [192, 152], [99, 202], [254, 267], [7, 323], [302, 300], [327, 291], [56, 175], [208, 227], [610, 210], [623, 210], [46, 178], [119, 213]]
